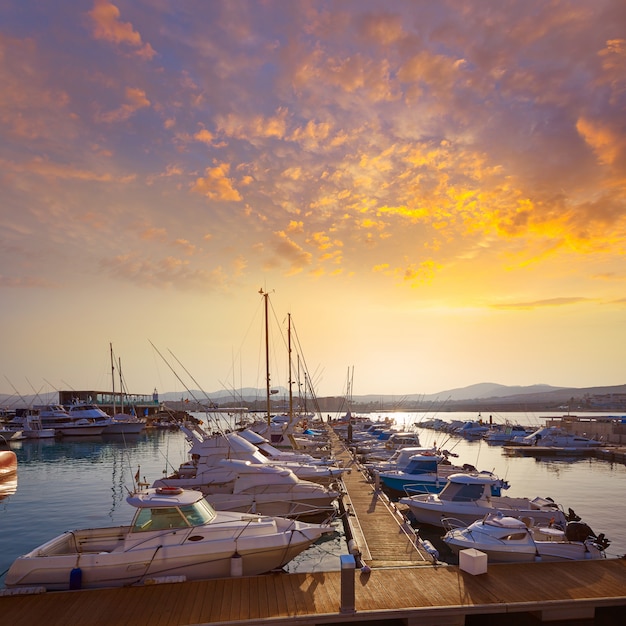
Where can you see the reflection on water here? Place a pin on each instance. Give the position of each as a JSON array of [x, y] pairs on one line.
[[8, 486]]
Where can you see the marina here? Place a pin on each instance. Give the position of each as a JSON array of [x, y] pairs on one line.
[[394, 577]]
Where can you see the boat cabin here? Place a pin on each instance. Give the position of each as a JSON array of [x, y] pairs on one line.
[[423, 464], [169, 507], [472, 487]]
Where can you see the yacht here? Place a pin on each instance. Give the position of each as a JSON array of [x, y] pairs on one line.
[[116, 425], [174, 533], [467, 497], [55, 416]]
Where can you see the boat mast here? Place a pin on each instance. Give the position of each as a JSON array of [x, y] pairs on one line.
[[267, 358], [119, 369], [112, 376], [289, 356]]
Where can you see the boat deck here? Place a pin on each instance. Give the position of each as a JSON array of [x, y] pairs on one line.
[[401, 585]]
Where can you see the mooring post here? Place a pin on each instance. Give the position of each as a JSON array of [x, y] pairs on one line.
[[348, 567]]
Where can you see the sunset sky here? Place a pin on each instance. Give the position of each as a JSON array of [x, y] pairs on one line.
[[435, 191]]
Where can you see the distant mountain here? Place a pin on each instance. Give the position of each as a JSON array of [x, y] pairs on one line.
[[482, 392], [491, 390], [472, 392]]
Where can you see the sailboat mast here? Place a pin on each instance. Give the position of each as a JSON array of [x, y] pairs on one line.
[[112, 376], [119, 369], [267, 360], [289, 356]]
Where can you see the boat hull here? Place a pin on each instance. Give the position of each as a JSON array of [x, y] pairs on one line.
[[432, 512], [57, 565]]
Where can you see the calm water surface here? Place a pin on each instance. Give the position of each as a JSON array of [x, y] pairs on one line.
[[83, 483]]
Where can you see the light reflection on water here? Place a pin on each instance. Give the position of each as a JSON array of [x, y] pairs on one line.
[[83, 483]]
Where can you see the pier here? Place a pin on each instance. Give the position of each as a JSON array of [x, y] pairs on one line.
[[388, 577]]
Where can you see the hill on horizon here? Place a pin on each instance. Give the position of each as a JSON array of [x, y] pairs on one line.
[[478, 391]]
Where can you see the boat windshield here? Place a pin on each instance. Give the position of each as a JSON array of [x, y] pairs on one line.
[[458, 492], [163, 518]]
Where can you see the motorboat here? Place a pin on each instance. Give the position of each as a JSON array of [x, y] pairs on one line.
[[31, 426], [275, 455], [174, 533], [57, 417], [555, 437], [120, 424], [426, 472], [506, 433], [507, 539], [238, 485], [473, 430], [399, 459], [209, 449], [387, 444], [470, 496]]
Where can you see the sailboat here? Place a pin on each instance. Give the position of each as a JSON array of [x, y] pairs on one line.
[[234, 476]]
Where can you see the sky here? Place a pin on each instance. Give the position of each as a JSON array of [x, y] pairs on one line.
[[434, 193]]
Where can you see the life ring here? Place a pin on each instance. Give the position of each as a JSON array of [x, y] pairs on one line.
[[169, 491]]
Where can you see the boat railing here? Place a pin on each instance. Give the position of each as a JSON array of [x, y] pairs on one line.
[[451, 523]]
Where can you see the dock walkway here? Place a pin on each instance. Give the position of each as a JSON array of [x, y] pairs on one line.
[[381, 535]]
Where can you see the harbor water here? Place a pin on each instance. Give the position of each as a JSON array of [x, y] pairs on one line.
[[81, 483]]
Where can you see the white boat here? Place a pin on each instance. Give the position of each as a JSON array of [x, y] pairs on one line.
[[207, 450], [473, 430], [508, 540], [555, 437], [275, 455], [31, 427], [117, 425], [174, 533], [56, 416], [237, 485], [506, 433], [470, 496]]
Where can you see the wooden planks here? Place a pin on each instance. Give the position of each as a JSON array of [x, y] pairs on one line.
[[315, 598]]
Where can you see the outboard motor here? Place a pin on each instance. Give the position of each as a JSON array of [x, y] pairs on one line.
[[578, 531]]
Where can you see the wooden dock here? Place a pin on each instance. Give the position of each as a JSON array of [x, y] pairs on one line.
[[395, 582]]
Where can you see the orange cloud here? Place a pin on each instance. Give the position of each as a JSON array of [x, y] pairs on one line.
[[136, 99], [43, 167], [107, 26], [154, 233], [187, 246], [606, 144], [216, 185], [204, 136]]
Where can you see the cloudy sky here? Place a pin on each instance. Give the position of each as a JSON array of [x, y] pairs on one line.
[[434, 191]]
